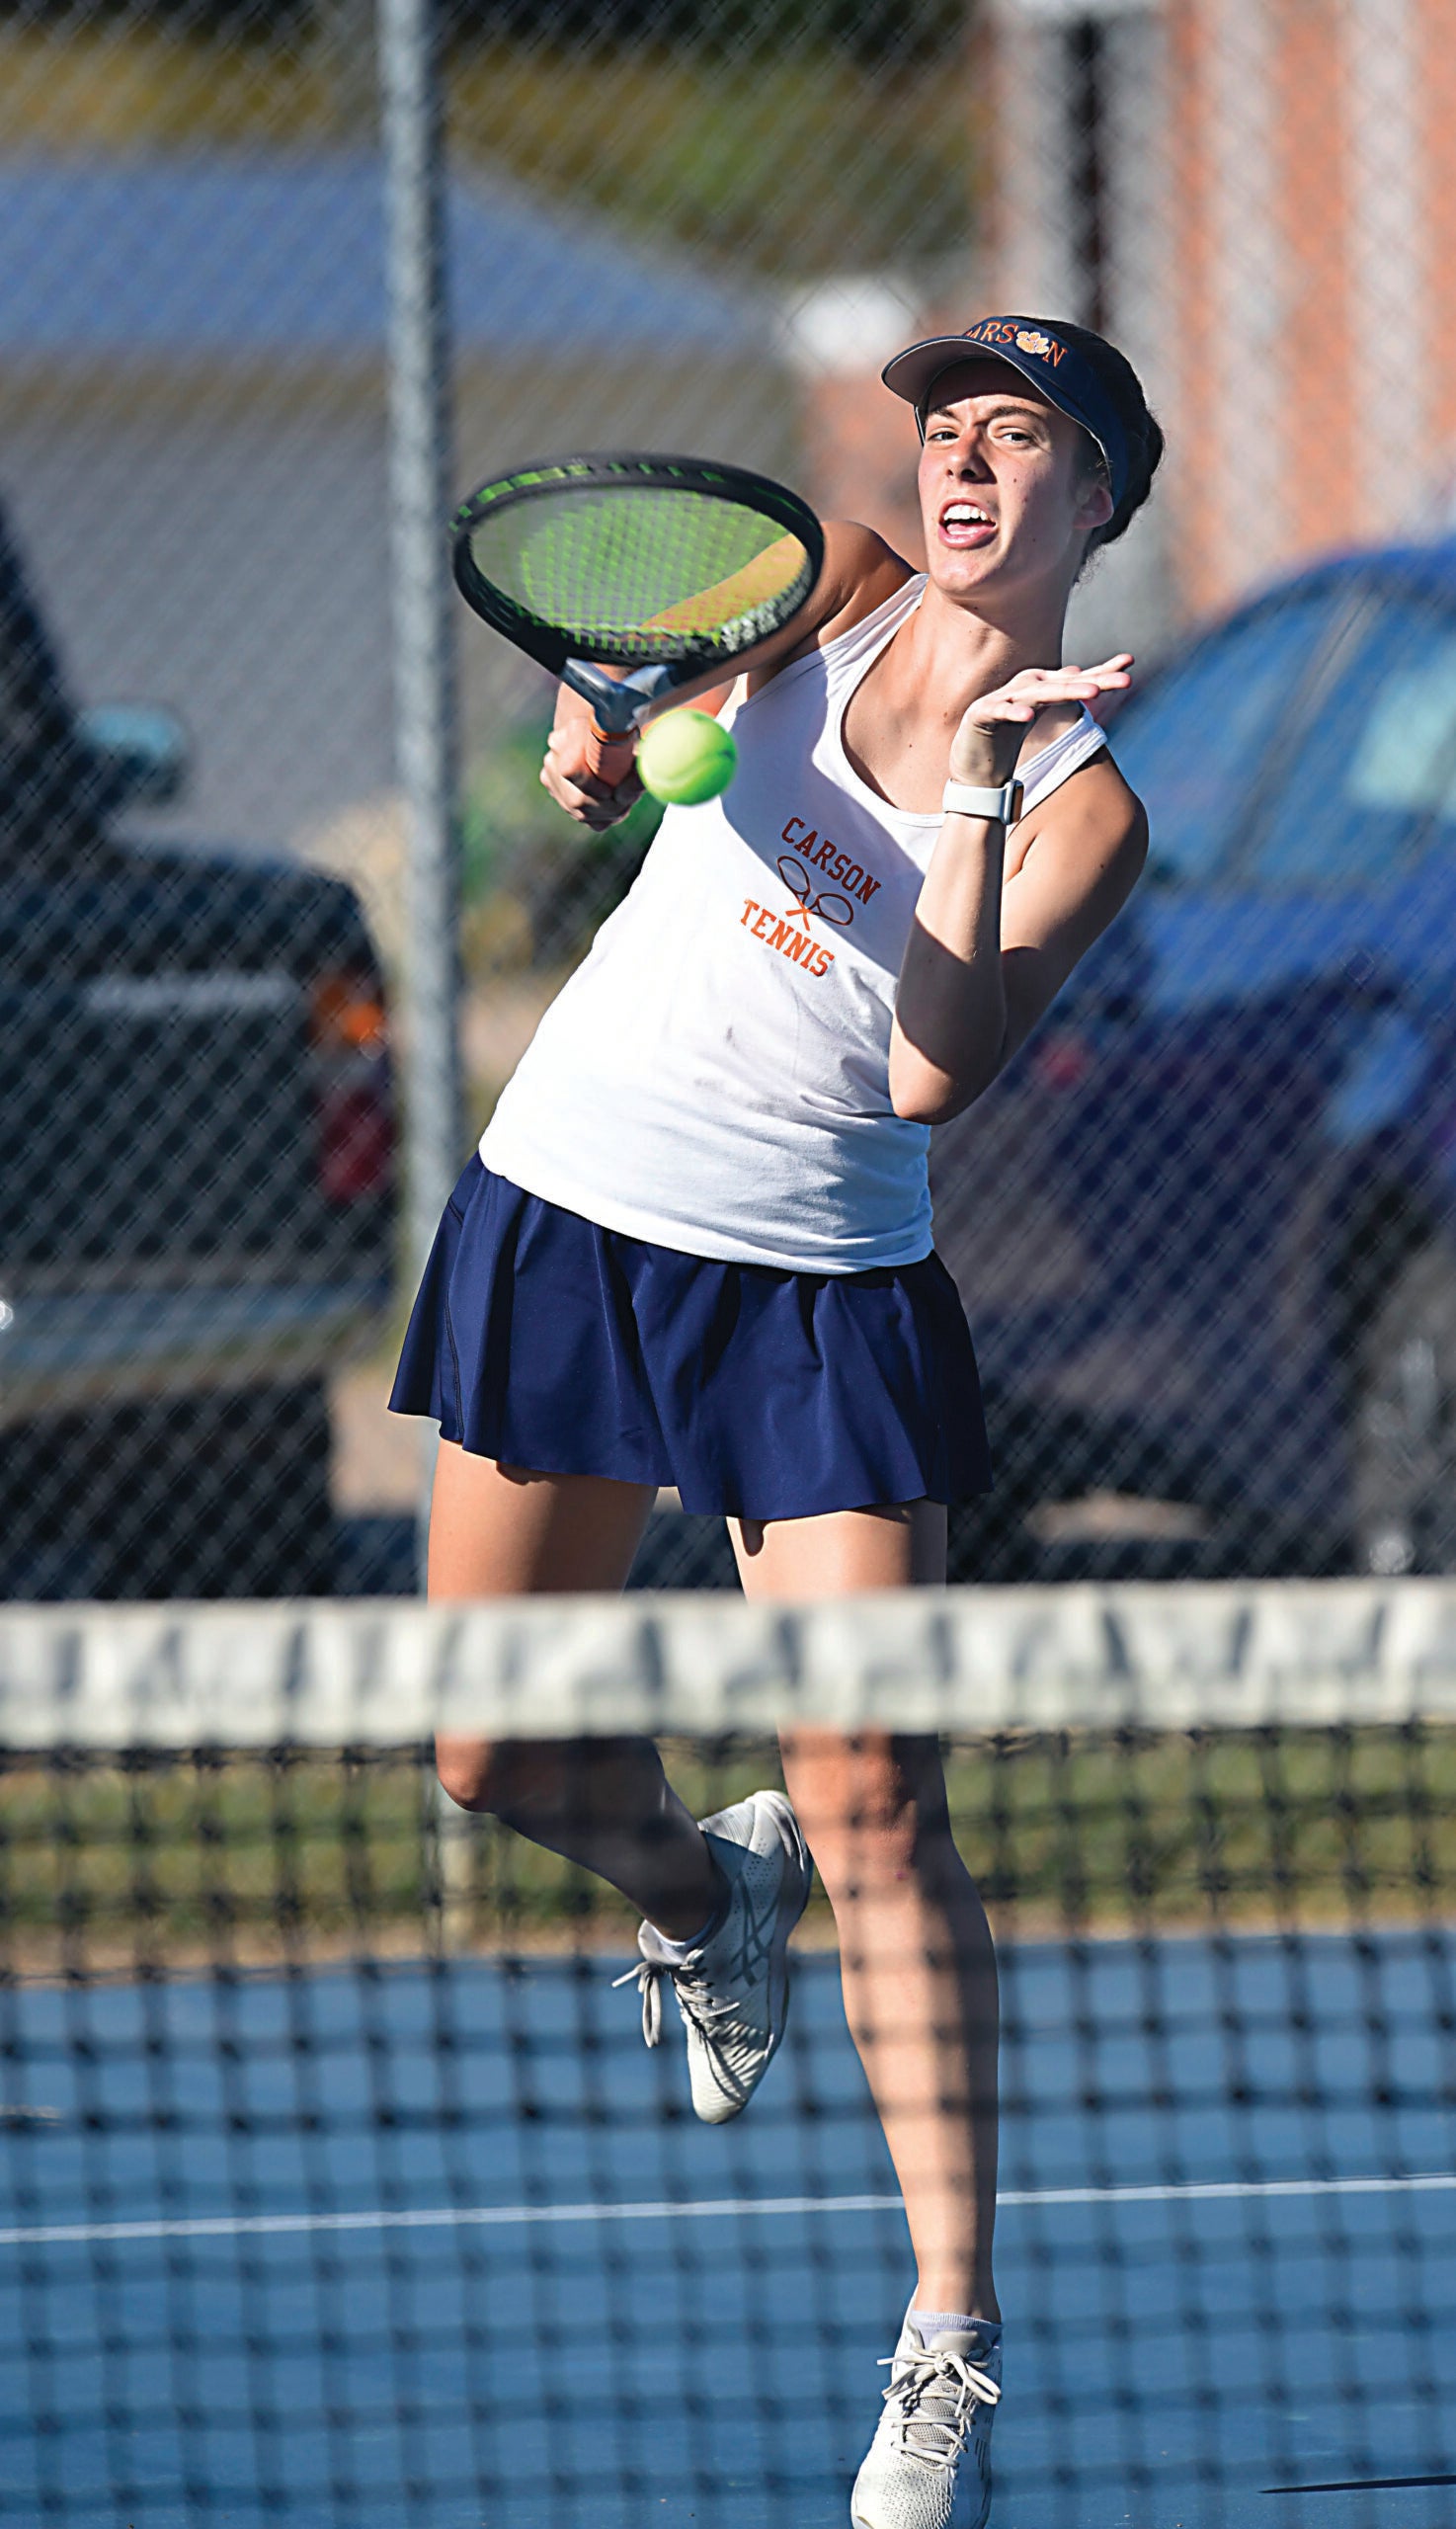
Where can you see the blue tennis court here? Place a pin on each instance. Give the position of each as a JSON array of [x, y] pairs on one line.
[[440, 2241]]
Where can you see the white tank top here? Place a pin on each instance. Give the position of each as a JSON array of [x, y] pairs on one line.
[[715, 1076]]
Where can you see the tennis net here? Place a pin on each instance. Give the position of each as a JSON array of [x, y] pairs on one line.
[[339, 2189]]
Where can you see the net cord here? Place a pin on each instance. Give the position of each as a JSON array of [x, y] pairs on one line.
[[973, 1662]]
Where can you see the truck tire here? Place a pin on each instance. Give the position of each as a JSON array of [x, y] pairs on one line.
[[1403, 1434]]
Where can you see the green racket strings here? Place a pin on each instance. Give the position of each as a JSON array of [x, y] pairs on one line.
[[650, 568]]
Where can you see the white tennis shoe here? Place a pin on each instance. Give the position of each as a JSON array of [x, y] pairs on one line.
[[733, 1989], [928, 2466]]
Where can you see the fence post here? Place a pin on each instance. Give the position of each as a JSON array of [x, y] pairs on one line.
[[419, 369]]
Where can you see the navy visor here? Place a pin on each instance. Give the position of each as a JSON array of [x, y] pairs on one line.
[[1065, 379]]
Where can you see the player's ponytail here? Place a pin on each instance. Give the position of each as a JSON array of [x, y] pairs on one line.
[[1120, 382]]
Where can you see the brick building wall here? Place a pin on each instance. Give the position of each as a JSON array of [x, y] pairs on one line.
[[1258, 200]]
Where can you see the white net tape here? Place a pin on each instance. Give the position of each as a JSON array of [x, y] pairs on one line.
[[323, 1673]]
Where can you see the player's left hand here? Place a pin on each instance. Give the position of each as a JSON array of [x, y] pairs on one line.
[[985, 748]]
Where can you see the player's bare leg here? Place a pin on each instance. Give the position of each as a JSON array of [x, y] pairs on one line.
[[916, 1953], [498, 1531], [718, 1906], [919, 1975], [504, 1532]]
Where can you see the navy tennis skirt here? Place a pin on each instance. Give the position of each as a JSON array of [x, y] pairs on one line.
[[542, 1341]]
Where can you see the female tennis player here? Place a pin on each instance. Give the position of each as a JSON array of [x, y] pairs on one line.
[[695, 1249]]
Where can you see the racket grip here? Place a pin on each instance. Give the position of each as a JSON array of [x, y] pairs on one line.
[[610, 758]]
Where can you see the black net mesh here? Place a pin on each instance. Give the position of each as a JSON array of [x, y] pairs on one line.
[[338, 2187]]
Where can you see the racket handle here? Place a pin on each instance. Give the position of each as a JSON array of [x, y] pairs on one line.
[[610, 758]]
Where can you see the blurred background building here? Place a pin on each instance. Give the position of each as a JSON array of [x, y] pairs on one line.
[[1256, 200], [193, 426]]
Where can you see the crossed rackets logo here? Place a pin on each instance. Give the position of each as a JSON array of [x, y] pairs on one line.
[[829, 907]]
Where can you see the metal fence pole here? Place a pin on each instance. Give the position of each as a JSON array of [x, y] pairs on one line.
[[413, 127]]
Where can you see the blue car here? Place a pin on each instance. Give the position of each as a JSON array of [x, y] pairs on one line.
[[1205, 1226]]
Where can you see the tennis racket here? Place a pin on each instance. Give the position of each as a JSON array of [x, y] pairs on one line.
[[630, 576]]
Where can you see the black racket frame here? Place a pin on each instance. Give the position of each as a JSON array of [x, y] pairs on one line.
[[621, 701]]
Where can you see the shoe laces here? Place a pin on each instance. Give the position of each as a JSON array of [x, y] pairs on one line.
[[696, 1996], [953, 2381]]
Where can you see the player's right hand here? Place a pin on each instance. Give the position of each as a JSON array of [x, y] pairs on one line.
[[567, 775]]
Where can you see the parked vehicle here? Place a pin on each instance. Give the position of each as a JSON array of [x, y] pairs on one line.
[[195, 1166], [1205, 1226]]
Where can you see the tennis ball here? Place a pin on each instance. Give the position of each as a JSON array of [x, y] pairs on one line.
[[686, 757]]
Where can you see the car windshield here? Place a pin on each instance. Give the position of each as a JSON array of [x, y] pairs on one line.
[[1373, 782], [1193, 749]]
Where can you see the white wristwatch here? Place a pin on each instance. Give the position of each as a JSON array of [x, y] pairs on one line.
[[963, 799]]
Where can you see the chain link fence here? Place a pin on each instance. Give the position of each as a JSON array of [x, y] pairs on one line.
[[1204, 1226]]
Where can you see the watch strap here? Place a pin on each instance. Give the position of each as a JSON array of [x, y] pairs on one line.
[[966, 800]]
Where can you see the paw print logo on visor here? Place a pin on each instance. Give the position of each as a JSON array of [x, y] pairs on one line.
[[828, 907]]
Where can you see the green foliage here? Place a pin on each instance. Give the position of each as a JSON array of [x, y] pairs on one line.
[[257, 1856], [536, 885], [795, 163], [882, 32], [793, 140], [507, 813]]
